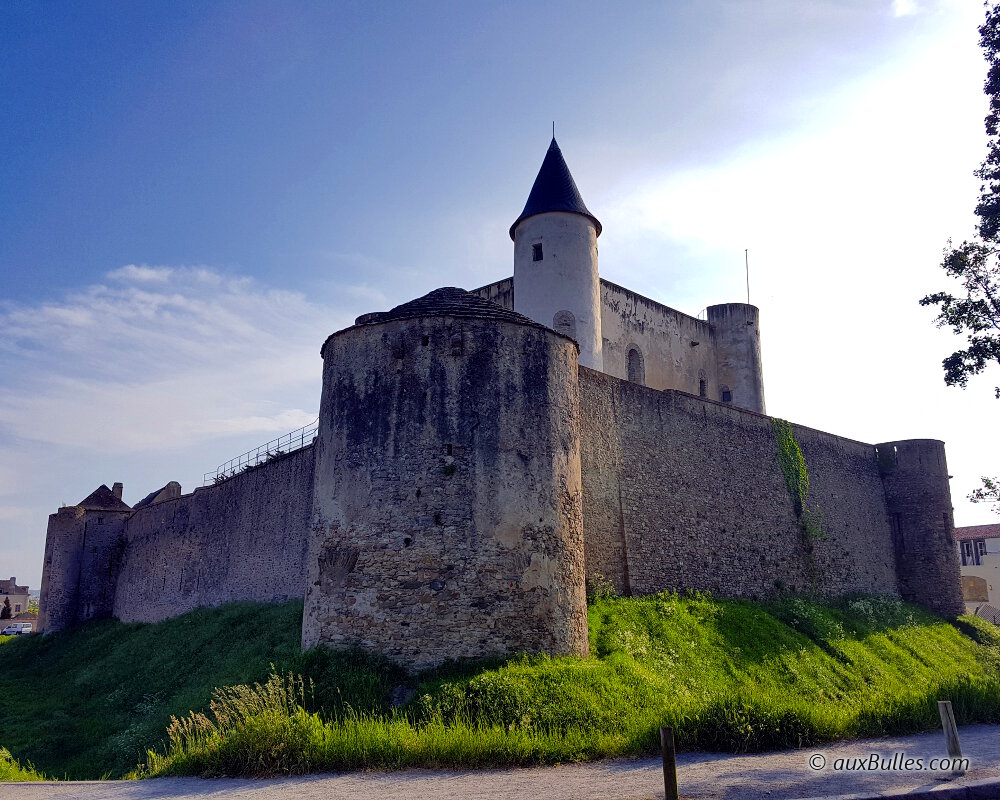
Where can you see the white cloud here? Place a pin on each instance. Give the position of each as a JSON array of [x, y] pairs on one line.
[[905, 8], [845, 223], [155, 374], [132, 272], [159, 357]]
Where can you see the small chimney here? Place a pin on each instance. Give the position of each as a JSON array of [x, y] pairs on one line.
[[116, 490]]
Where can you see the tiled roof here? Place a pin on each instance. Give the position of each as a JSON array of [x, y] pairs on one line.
[[102, 499], [448, 302], [554, 190], [977, 532]]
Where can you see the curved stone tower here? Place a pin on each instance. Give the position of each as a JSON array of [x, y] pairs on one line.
[[737, 349], [918, 498], [555, 259], [447, 516]]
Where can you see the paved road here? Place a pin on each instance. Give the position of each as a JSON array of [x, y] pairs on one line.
[[705, 776]]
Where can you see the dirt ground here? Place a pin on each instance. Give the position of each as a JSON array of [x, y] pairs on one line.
[[705, 776]]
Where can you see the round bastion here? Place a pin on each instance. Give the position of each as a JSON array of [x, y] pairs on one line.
[[447, 512]]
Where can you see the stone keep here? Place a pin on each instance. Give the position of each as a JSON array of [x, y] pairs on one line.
[[447, 516]]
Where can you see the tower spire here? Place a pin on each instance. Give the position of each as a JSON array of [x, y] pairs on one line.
[[554, 190]]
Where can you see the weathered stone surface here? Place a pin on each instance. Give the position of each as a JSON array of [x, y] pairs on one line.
[[468, 476], [915, 474], [677, 351], [685, 493], [243, 539], [447, 510]]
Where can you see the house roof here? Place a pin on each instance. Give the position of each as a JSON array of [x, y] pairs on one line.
[[554, 190], [977, 532], [103, 499]]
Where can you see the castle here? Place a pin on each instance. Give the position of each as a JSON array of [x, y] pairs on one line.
[[481, 456]]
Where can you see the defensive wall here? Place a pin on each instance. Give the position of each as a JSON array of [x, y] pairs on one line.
[[240, 540], [681, 492], [468, 475]]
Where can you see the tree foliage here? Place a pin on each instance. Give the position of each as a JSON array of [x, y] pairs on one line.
[[975, 311], [5, 611], [989, 492]]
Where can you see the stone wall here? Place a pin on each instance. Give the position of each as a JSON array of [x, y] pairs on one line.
[[680, 492], [501, 292], [677, 350], [241, 540], [447, 499]]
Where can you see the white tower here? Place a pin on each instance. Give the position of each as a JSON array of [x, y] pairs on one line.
[[555, 259]]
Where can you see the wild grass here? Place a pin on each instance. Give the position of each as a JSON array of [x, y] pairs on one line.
[[726, 675], [11, 770]]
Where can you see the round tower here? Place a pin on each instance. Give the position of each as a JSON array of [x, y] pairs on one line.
[[555, 259], [737, 355], [918, 497], [447, 501]]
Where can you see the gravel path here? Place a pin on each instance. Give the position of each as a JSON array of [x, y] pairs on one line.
[[705, 776]]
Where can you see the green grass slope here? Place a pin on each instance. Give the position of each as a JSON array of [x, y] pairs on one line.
[[727, 675], [88, 702]]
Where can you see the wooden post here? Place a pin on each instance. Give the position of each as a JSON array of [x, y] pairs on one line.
[[669, 764], [950, 732]]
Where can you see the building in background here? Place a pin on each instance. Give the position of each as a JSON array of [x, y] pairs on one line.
[[979, 555], [17, 595]]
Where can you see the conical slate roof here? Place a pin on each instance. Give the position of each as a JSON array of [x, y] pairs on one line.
[[554, 190], [448, 301], [103, 499]]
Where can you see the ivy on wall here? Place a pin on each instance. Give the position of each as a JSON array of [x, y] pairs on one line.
[[793, 466]]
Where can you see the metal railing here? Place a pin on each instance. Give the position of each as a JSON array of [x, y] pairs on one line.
[[289, 443]]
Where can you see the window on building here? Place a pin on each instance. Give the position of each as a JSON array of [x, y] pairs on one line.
[[971, 555], [702, 388], [536, 252], [980, 549], [727, 396], [635, 366], [17, 608]]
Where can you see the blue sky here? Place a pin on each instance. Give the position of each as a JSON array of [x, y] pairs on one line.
[[195, 194]]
